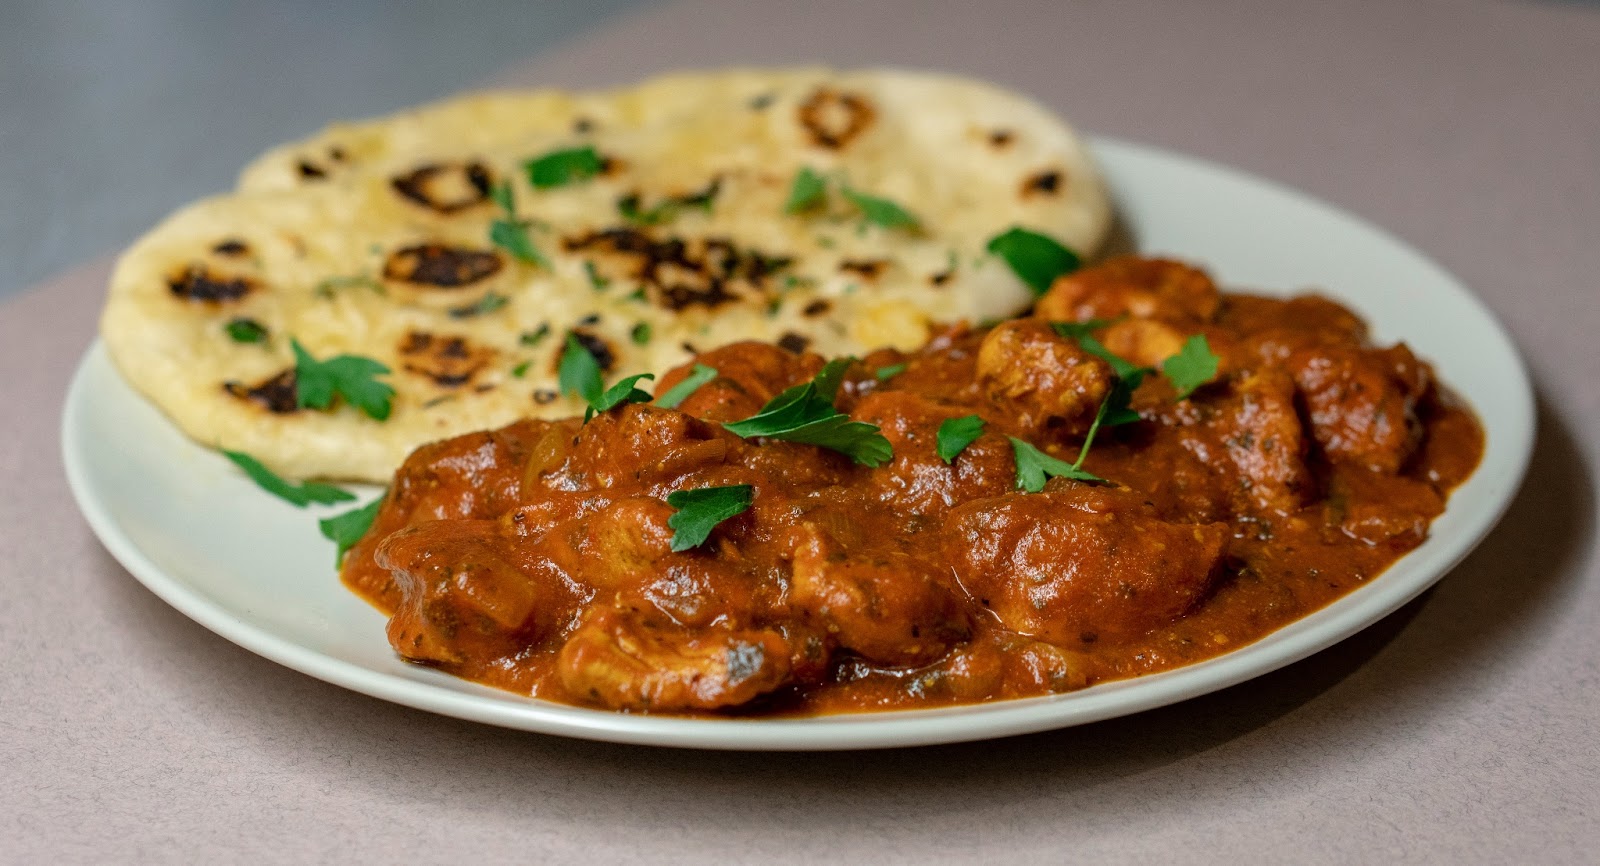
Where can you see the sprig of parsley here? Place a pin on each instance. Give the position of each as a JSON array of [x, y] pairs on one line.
[[1034, 466], [345, 529], [955, 434], [1193, 366], [805, 413], [880, 211], [299, 495], [1036, 259], [806, 191], [243, 330], [691, 383], [885, 373], [561, 167], [352, 377], [628, 206], [510, 233], [579, 374], [700, 510]]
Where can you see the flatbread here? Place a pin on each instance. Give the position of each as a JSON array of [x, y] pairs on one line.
[[373, 239]]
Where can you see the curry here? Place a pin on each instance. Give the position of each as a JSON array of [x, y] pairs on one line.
[[1095, 521]]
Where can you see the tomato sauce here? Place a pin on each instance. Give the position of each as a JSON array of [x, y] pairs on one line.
[[538, 558]]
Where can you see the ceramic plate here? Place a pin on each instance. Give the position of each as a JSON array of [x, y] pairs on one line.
[[256, 571]]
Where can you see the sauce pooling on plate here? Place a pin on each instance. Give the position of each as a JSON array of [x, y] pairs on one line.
[[1145, 473]]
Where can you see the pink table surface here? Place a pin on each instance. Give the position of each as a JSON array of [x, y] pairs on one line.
[[1460, 729]]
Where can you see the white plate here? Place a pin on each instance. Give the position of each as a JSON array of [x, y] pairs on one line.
[[255, 570]]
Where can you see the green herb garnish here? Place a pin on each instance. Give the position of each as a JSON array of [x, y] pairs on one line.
[[805, 413], [521, 369], [1034, 466], [641, 334], [884, 374], [691, 383], [348, 528], [596, 282], [486, 304], [806, 191], [579, 372], [299, 495], [327, 287], [628, 206], [535, 336], [700, 510], [352, 377], [622, 392], [1035, 258], [955, 434], [880, 211], [510, 233], [561, 167], [1193, 366], [246, 331]]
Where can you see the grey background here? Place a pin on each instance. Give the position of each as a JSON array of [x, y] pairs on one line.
[[113, 113], [1462, 729]]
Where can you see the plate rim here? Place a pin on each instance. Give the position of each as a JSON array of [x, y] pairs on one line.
[[887, 729]]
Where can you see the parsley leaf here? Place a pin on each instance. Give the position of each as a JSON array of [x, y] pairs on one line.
[[535, 337], [561, 167], [486, 304], [880, 211], [579, 372], [521, 369], [246, 331], [805, 413], [698, 376], [1193, 366], [327, 287], [299, 495], [1034, 466], [884, 374], [510, 233], [806, 191], [350, 376], [622, 392], [596, 282], [348, 528], [699, 511], [1036, 259], [667, 208], [641, 334], [1079, 331], [955, 434]]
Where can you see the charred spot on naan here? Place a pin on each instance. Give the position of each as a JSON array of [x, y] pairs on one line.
[[278, 394], [231, 248], [1047, 182], [867, 269], [1000, 139], [682, 273], [445, 187], [834, 118], [200, 284], [441, 266], [450, 361]]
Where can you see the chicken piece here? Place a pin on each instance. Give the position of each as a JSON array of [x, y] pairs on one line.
[[466, 594], [1128, 286], [885, 605], [1362, 403], [1032, 374], [1081, 564], [1261, 430], [627, 661], [748, 375], [1143, 342], [475, 476], [639, 443], [917, 480]]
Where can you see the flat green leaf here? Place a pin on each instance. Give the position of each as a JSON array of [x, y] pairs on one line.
[[345, 529], [806, 191], [675, 395], [246, 331], [352, 377], [486, 304], [880, 211], [561, 167], [297, 494], [622, 392], [641, 334], [510, 233], [1034, 466], [1036, 259], [579, 372], [700, 510], [884, 374], [1193, 366], [955, 434], [805, 413]]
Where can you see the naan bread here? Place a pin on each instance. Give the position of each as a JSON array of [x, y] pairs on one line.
[[373, 239]]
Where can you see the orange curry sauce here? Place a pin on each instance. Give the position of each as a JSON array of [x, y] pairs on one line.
[[537, 558]]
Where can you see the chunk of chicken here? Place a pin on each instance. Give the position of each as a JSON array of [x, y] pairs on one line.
[[1040, 378], [1261, 430], [625, 661], [1080, 564], [887, 606], [917, 480], [1141, 288], [465, 594], [1362, 403], [748, 375]]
